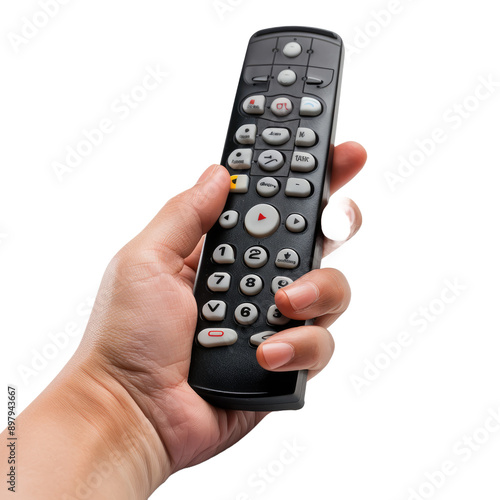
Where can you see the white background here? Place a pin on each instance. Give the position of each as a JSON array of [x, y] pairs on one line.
[[401, 82]]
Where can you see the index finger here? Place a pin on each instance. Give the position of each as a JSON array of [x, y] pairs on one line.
[[348, 160]]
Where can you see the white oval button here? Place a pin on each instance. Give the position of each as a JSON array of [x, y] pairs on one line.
[[287, 77], [217, 337], [276, 136]]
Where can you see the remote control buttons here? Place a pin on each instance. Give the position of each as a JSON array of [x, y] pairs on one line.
[[229, 219], [240, 159], [295, 223], [287, 77], [292, 49], [310, 107], [302, 162], [219, 282], [274, 317], [224, 254], [251, 284], [255, 105], [305, 137], [280, 282], [215, 310], [276, 136], [262, 220], [246, 314], [239, 184], [219, 337], [258, 338], [255, 257], [281, 106], [267, 187], [287, 259], [246, 134], [271, 160], [298, 188]]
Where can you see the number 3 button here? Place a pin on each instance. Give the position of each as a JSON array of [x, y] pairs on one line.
[[246, 314]]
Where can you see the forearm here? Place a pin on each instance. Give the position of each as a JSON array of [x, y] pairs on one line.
[[84, 437]]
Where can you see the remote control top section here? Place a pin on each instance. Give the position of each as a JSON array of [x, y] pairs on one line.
[[278, 151]]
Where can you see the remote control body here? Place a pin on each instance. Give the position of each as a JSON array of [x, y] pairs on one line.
[[278, 152]]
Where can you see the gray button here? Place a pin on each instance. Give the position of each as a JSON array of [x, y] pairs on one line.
[[217, 337], [224, 254], [246, 314], [219, 282], [258, 338], [251, 284], [302, 162], [295, 223], [246, 134], [281, 106], [271, 160], [229, 219], [280, 282], [262, 220], [287, 259], [260, 79], [215, 310], [239, 184], [305, 137], [255, 257], [298, 188], [276, 136], [310, 107], [267, 187], [255, 105], [292, 49], [274, 317], [240, 159], [287, 77]]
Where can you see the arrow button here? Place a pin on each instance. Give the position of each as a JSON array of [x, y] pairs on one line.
[[262, 220]]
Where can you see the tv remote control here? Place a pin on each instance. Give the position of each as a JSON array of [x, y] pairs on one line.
[[278, 152]]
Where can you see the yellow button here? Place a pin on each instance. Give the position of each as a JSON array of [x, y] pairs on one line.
[[239, 183]]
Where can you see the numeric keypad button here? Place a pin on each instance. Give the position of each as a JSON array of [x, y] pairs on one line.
[[224, 254], [255, 257], [246, 134], [281, 106], [280, 282], [305, 137], [219, 282], [229, 219], [215, 310], [246, 314], [258, 338], [274, 317], [251, 284], [271, 160]]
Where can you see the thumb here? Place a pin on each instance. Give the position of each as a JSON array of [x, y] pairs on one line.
[[180, 224]]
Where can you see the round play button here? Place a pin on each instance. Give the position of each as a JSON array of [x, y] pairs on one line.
[[262, 220]]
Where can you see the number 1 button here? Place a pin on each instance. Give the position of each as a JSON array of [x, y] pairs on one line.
[[223, 254]]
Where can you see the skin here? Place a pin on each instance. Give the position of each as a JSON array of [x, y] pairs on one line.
[[120, 418]]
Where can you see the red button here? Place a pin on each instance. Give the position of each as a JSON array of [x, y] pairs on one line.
[[216, 333], [262, 217]]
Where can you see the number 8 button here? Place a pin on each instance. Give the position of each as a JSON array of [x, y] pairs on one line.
[[246, 314], [251, 284]]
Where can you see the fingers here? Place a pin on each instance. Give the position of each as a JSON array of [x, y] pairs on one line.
[[181, 223], [303, 348], [344, 220], [348, 159], [323, 294]]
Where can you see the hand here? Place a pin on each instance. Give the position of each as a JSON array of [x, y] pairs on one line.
[[137, 345]]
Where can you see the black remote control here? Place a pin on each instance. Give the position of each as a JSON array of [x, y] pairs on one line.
[[278, 152]]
